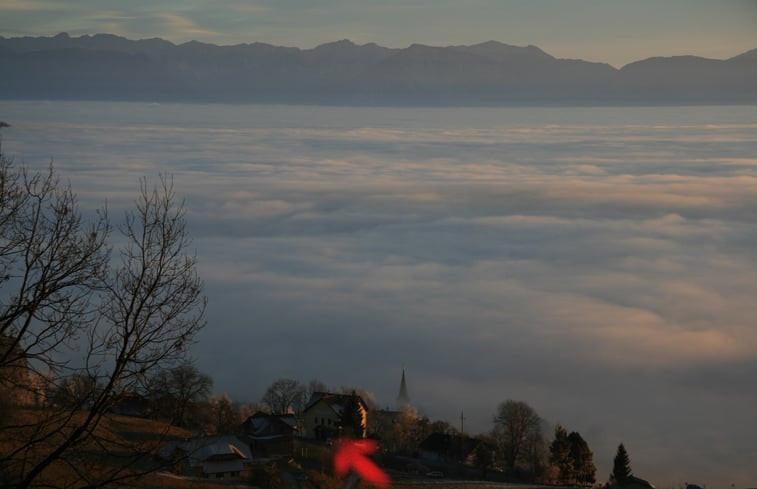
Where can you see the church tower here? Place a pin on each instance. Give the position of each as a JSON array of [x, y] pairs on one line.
[[403, 398]]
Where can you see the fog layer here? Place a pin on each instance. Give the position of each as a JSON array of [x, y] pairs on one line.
[[598, 264]]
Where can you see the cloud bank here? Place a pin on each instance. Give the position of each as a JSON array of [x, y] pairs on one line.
[[598, 263]]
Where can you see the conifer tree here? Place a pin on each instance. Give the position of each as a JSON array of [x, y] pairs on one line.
[[559, 454], [572, 456], [352, 417], [584, 470], [621, 466]]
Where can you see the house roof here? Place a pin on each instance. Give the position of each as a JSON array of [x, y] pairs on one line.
[[632, 482], [215, 449], [335, 401], [266, 437], [261, 423], [221, 451], [637, 481]]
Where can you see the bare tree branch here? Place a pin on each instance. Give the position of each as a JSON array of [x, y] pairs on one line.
[[79, 330]]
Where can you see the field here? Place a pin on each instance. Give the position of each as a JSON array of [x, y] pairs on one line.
[[119, 447]]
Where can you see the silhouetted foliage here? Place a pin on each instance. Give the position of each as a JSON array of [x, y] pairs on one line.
[[174, 393], [226, 417], [484, 454], [440, 426], [75, 392], [559, 455], [351, 418], [517, 431], [285, 396], [314, 386], [584, 471], [574, 460], [399, 431], [621, 465]]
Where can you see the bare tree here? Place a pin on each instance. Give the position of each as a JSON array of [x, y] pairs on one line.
[[51, 265], [401, 432], [247, 410], [517, 431], [75, 392], [284, 396], [173, 392], [226, 416], [69, 311], [314, 386]]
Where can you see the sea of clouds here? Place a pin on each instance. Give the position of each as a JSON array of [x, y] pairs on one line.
[[597, 263]]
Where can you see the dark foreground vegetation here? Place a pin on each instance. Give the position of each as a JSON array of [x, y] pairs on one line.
[[84, 324]]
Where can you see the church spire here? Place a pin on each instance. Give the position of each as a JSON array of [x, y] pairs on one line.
[[403, 398]]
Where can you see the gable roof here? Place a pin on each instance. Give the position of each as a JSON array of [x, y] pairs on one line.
[[204, 451], [263, 424], [334, 401]]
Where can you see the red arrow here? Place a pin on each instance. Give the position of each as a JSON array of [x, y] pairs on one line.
[[353, 454]]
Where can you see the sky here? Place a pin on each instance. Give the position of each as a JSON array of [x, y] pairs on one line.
[[611, 31], [595, 263]]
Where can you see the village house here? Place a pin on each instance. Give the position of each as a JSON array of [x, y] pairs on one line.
[[322, 417], [270, 435], [131, 404], [634, 482], [217, 457]]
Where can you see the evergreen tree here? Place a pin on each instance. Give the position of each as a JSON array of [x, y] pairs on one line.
[[559, 455], [352, 417], [573, 458], [621, 465], [584, 470]]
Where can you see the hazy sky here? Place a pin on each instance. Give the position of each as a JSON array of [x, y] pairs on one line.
[[613, 31]]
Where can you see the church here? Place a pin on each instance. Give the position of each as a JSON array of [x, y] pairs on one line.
[[403, 399]]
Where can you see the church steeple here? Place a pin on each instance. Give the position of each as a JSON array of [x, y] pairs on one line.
[[403, 398]]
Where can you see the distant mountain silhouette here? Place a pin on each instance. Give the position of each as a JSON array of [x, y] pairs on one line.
[[109, 67]]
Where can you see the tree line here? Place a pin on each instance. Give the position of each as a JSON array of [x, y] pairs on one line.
[[517, 442]]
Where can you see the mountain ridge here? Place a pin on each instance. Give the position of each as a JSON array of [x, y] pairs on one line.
[[345, 73]]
